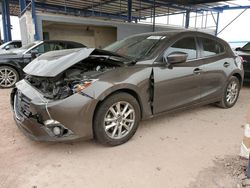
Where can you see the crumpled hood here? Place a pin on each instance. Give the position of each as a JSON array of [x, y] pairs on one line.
[[53, 63]]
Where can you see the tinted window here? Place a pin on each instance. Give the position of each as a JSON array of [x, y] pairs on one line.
[[211, 47], [74, 45], [46, 47], [186, 45], [14, 45]]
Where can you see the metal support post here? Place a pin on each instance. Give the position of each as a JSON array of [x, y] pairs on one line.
[[34, 18], [129, 10], [6, 21], [187, 19]]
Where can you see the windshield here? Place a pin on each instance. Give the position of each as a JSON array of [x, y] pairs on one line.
[[3, 45], [246, 47], [138, 47]]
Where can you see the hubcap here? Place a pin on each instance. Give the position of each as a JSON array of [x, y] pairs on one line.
[[232, 92], [119, 120], [7, 77]]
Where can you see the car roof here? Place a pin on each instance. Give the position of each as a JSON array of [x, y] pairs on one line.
[[173, 32], [65, 41]]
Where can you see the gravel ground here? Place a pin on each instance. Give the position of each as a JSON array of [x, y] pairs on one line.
[[193, 148]]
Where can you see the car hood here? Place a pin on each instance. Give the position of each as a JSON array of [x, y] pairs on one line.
[[53, 63]]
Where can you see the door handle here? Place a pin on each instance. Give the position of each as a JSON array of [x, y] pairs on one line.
[[197, 71], [226, 64]]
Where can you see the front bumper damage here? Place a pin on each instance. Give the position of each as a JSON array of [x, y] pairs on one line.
[[47, 120]]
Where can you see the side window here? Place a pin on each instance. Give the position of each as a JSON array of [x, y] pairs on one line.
[[46, 47], [211, 47], [17, 44], [186, 45], [73, 45], [58, 46]]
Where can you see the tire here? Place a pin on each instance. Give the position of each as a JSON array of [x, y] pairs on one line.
[[8, 77], [112, 126], [232, 89]]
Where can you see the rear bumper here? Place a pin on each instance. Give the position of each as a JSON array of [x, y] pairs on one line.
[[73, 114]]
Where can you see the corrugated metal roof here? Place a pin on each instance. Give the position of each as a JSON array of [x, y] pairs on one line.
[[141, 9]]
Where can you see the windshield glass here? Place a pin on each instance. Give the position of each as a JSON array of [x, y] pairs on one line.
[[138, 47], [3, 45], [246, 47]]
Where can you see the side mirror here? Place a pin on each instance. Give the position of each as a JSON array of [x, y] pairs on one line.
[[238, 49], [7, 47], [176, 57], [34, 54]]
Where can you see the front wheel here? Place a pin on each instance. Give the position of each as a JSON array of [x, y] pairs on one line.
[[8, 77], [231, 93], [116, 119]]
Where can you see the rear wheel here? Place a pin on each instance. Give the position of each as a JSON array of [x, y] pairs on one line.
[[116, 119], [8, 77], [231, 93]]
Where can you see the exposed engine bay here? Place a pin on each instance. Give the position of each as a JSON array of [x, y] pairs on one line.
[[76, 78]]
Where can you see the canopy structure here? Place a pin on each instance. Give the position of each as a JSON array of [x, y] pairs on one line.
[[123, 10]]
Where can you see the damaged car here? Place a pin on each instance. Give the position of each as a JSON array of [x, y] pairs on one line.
[[13, 61], [104, 94]]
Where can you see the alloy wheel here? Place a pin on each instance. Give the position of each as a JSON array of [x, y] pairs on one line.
[[119, 120], [7, 77], [232, 92]]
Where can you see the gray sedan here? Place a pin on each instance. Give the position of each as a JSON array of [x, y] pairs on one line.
[[86, 93]]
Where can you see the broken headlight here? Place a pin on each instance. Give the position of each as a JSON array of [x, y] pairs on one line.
[[80, 86]]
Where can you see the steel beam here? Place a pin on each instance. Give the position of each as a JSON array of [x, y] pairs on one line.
[[217, 24], [6, 21], [231, 21], [180, 7], [154, 16], [187, 19], [34, 18], [129, 10], [231, 8], [22, 5], [80, 12]]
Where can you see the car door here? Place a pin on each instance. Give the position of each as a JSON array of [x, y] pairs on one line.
[[214, 67], [177, 85]]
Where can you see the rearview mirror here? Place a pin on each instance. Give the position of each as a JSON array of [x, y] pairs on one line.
[[238, 49], [176, 57], [34, 54]]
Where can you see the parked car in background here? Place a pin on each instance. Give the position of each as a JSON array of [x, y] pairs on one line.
[[13, 61], [84, 93], [244, 52], [10, 45]]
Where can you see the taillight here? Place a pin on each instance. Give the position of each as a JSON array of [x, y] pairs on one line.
[[239, 60]]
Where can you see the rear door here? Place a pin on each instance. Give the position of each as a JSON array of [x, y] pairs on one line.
[[179, 85], [214, 68]]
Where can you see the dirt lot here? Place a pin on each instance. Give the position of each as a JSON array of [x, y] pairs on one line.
[[194, 148]]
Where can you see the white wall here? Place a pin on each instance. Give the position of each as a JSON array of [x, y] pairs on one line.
[[91, 36]]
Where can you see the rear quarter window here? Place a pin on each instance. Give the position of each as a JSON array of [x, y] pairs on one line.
[[211, 47]]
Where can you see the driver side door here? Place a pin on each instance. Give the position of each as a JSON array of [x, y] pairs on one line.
[[177, 85]]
